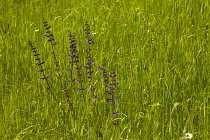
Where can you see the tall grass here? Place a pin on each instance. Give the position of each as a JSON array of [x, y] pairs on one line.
[[160, 53]]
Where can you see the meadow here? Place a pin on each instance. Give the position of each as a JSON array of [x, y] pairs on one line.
[[123, 69]]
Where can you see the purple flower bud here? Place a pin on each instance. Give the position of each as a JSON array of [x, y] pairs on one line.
[[81, 89], [87, 67], [81, 74], [99, 68], [91, 43], [54, 43], [72, 80], [115, 113], [111, 100], [68, 69], [72, 56], [46, 36], [90, 72], [41, 70], [47, 27], [88, 36], [115, 84], [113, 75], [116, 124], [89, 63], [110, 88], [36, 54]]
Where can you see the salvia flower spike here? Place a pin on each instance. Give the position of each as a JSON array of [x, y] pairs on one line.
[[41, 69], [89, 63], [51, 40]]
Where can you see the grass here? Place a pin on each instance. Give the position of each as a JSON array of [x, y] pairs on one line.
[[160, 50]]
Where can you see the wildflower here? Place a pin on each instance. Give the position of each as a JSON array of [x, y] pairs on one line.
[[188, 136]]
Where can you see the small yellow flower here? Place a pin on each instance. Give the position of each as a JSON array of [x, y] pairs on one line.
[[188, 136]]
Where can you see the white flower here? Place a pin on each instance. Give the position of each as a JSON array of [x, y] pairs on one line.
[[188, 136]]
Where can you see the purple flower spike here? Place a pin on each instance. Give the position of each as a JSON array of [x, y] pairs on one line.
[[48, 88], [81, 100]]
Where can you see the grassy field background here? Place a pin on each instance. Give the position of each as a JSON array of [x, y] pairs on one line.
[[160, 50]]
